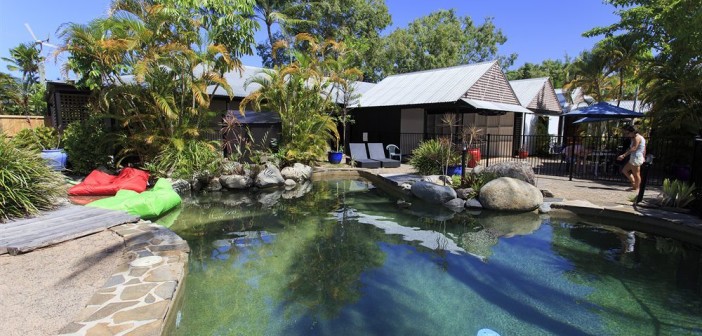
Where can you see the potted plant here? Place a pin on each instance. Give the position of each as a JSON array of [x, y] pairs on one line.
[[46, 140], [522, 152], [336, 156], [472, 133]]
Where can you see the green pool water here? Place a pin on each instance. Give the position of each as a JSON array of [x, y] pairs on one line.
[[345, 260]]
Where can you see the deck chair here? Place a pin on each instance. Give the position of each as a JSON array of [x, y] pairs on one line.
[[359, 156], [377, 152], [394, 152]]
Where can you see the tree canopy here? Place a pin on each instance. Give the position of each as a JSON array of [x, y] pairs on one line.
[[440, 39], [672, 31]]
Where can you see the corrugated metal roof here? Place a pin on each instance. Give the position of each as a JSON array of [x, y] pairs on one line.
[[425, 87], [486, 105], [237, 80], [527, 89]]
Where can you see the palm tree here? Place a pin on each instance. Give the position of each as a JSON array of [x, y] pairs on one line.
[[301, 95], [175, 55], [592, 72], [25, 59]]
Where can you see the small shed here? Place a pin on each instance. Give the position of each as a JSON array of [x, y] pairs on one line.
[[406, 109]]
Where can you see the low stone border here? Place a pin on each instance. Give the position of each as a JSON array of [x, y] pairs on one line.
[[682, 227], [139, 298]]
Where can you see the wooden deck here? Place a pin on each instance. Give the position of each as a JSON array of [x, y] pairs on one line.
[[57, 226]]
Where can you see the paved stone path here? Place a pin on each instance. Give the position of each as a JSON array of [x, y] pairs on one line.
[[138, 298]]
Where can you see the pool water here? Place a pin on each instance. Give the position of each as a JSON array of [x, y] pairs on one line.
[[344, 259]]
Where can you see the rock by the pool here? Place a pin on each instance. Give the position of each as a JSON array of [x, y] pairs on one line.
[[236, 181], [438, 179], [510, 194], [464, 193], [455, 205], [297, 172], [514, 169], [433, 193], [269, 177]]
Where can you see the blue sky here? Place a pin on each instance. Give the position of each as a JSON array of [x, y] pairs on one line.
[[535, 29]]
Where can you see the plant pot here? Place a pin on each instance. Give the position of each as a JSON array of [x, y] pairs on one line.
[[335, 157], [454, 170], [56, 158], [523, 154], [474, 157]]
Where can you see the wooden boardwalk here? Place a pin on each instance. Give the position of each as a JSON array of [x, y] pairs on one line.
[[57, 226]]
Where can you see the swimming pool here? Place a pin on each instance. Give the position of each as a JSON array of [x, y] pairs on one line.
[[346, 260]]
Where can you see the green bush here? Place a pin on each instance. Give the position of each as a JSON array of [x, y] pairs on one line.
[[677, 193], [184, 159], [37, 138], [88, 145], [27, 184], [431, 156]]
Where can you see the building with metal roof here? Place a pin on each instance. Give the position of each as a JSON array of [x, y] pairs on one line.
[[406, 109], [538, 95]]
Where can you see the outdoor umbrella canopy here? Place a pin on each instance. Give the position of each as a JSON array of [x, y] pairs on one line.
[[605, 111]]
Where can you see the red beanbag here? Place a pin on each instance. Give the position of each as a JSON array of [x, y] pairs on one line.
[[98, 183]]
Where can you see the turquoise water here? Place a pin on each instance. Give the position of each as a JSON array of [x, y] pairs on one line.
[[344, 260]]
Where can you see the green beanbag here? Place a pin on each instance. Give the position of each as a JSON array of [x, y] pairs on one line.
[[147, 205]]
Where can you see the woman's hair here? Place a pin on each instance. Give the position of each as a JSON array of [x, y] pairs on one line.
[[630, 128]]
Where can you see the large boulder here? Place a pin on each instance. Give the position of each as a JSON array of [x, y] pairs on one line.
[[236, 181], [433, 193], [438, 179], [514, 169], [269, 177], [506, 193], [297, 172]]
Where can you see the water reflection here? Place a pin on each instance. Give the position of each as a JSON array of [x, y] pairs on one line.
[[344, 260]]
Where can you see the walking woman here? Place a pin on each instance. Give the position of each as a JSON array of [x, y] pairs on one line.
[[636, 152]]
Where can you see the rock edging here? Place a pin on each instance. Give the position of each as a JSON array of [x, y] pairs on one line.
[[139, 297]]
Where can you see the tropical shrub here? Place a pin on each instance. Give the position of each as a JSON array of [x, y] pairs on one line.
[[37, 138], [177, 52], [183, 160], [431, 156], [304, 94], [477, 181], [27, 184], [88, 145], [677, 193]]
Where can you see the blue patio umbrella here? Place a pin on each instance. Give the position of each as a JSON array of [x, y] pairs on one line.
[[605, 111], [594, 119]]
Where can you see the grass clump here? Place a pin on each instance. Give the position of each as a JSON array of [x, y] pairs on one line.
[[182, 160], [27, 184], [431, 157]]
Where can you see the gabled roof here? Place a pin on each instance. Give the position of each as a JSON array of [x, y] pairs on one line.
[[237, 80], [445, 85], [537, 94]]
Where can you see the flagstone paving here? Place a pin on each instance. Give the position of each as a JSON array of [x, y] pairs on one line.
[[136, 300]]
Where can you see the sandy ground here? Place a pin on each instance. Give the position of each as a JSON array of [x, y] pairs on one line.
[[42, 291]]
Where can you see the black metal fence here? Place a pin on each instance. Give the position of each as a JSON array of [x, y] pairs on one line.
[[586, 157]]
